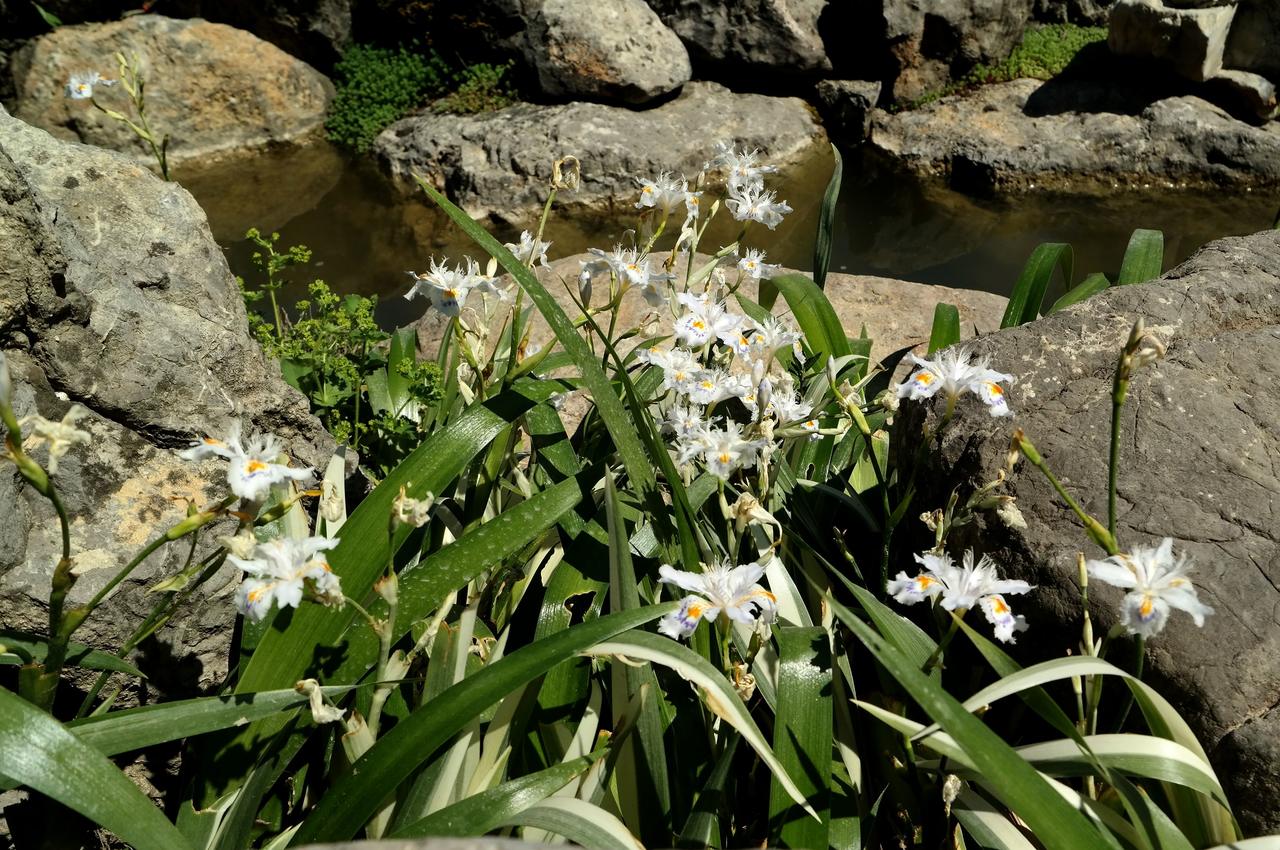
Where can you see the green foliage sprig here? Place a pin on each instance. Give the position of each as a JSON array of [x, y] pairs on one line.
[[479, 88], [333, 351], [377, 86]]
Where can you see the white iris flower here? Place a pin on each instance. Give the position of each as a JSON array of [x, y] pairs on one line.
[[282, 571], [704, 320], [60, 436], [962, 588], [448, 288], [952, 372], [754, 203], [754, 266], [80, 86], [734, 592], [1156, 581], [253, 468], [529, 250]]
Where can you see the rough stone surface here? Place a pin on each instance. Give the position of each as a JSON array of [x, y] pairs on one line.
[[931, 43], [621, 51], [1254, 41], [1251, 94], [897, 313], [499, 163], [213, 89], [1083, 12], [1079, 136], [1192, 41], [315, 31], [1200, 442], [114, 295], [774, 36], [846, 107]]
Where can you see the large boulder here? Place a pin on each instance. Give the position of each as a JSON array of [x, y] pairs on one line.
[[925, 44], [499, 163], [1078, 136], [730, 37], [213, 89], [1192, 41], [1254, 41], [315, 31], [1199, 443], [1083, 12], [114, 295], [896, 313], [621, 51]]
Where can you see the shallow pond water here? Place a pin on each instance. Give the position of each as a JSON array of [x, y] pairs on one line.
[[364, 234]]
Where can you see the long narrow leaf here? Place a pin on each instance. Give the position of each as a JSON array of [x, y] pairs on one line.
[[488, 810], [606, 400], [581, 822], [38, 752], [1143, 258], [827, 222], [356, 796], [802, 735], [1013, 781], [715, 688], [946, 327], [1028, 293], [1087, 288], [814, 314]]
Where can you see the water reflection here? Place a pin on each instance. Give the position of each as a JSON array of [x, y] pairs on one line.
[[365, 234]]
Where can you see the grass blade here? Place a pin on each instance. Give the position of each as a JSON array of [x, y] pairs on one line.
[[1087, 288], [490, 809], [827, 222], [946, 327], [38, 752], [1028, 293], [719, 695], [1012, 780], [583, 823], [802, 735], [814, 314], [1143, 258], [356, 796]]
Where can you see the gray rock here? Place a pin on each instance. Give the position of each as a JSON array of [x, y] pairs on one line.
[[114, 295], [1077, 136], [1083, 12], [621, 51], [932, 43], [1192, 41], [755, 36], [1253, 94], [846, 107], [315, 31], [1254, 41], [213, 89], [1200, 441], [499, 163]]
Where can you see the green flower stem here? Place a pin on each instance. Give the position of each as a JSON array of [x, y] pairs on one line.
[[936, 656], [159, 615], [1096, 532], [1119, 392]]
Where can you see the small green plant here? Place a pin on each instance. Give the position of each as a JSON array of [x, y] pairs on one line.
[[81, 87], [1044, 53], [479, 88], [365, 385], [377, 86]]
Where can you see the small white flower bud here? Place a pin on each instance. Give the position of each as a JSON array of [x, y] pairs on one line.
[[320, 712], [1011, 516], [566, 173]]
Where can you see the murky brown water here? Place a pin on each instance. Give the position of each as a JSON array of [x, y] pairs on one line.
[[365, 235]]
